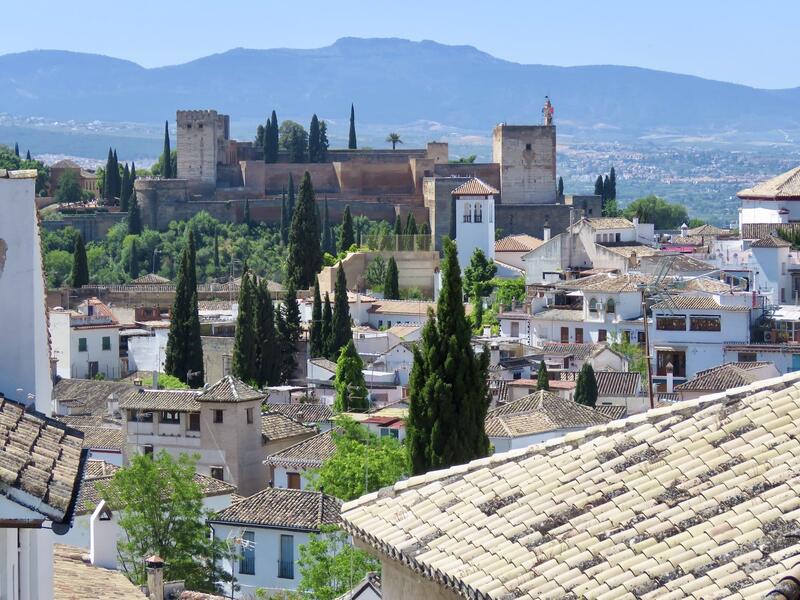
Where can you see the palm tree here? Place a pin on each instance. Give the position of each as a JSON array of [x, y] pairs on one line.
[[394, 139]]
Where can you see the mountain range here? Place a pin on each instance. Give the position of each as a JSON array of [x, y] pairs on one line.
[[391, 81]]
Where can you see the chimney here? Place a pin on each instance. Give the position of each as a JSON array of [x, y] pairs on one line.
[[684, 230], [112, 404], [670, 378], [636, 222], [546, 231], [103, 532], [155, 577]]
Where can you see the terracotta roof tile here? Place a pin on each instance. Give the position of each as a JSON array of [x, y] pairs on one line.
[[756, 231], [579, 351], [609, 223], [229, 389], [103, 438], [606, 282], [474, 187], [519, 242], [178, 400], [694, 500], [283, 508], [618, 383], [310, 453], [150, 278], [770, 241], [305, 412], [75, 579], [90, 397], [724, 377], [277, 426], [696, 303], [708, 230], [785, 185]]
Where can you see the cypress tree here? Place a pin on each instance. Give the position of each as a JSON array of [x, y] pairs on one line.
[[560, 189], [271, 140], [323, 142], [348, 237], [131, 181], [216, 253], [184, 355], [266, 136], [612, 180], [134, 216], [314, 140], [351, 142], [305, 257], [167, 172], [327, 325], [477, 314], [124, 197], [16, 149], [448, 392], [117, 178], [391, 288], [28, 155], [80, 265], [598, 186], [290, 201], [288, 333], [424, 243], [133, 261], [244, 364], [259, 141], [410, 230], [246, 218], [108, 179], [351, 389], [606, 189], [315, 344], [398, 225], [341, 331], [542, 377], [284, 219], [268, 357], [327, 235], [586, 386]]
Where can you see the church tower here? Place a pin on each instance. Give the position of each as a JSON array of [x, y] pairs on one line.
[[473, 208]]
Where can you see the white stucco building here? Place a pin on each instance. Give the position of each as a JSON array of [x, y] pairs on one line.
[[474, 217]]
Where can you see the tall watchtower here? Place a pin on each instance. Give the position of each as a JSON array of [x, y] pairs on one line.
[[527, 158], [202, 144], [473, 210]]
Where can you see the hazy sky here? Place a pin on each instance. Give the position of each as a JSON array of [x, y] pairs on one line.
[[755, 43]]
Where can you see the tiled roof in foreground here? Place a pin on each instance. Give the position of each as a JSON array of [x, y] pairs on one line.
[[695, 500], [74, 577]]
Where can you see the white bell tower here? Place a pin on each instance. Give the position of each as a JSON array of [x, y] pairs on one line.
[[474, 214]]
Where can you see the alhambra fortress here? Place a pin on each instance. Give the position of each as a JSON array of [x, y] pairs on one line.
[[219, 175]]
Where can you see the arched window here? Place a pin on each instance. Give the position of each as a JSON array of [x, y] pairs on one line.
[[478, 212], [593, 305], [611, 307], [467, 213]]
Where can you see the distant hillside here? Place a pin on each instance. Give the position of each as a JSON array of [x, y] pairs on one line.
[[390, 81]]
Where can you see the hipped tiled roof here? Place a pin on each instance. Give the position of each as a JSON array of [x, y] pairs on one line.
[[785, 185], [306, 412], [284, 509], [696, 303], [230, 389], [277, 426], [579, 351], [696, 500], [519, 242], [90, 397], [474, 187], [770, 241], [724, 377], [177, 400], [308, 454]]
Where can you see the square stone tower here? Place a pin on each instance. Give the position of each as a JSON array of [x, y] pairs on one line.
[[527, 158], [203, 137]]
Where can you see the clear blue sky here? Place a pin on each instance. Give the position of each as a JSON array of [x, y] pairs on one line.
[[755, 43]]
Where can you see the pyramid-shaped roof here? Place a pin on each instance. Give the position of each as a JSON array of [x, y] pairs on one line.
[[230, 389], [474, 187], [785, 185]]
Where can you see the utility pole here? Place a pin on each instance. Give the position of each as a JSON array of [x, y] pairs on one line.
[[647, 351]]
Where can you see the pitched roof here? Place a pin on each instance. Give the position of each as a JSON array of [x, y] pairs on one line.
[[88, 396], [324, 363], [755, 231], [277, 426], [65, 163], [785, 185], [402, 331], [99, 468], [178, 400], [708, 230], [150, 279], [401, 307], [630, 249], [305, 412], [76, 579], [229, 389], [371, 583], [540, 412], [579, 351], [474, 187], [770, 241], [518, 242], [40, 460], [724, 377], [618, 383], [612, 411], [284, 509], [697, 500], [103, 438], [606, 282], [555, 314], [308, 454], [696, 303], [678, 263], [609, 223]]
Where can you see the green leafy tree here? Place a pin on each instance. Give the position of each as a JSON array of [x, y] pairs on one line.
[[341, 333], [394, 139], [134, 216], [314, 147], [586, 386], [351, 139], [391, 285], [164, 382], [284, 219], [305, 256], [606, 188], [268, 358], [160, 507], [376, 272], [330, 565], [448, 390], [351, 390], [184, 354], [69, 190], [479, 274], [315, 342], [244, 364], [58, 267], [632, 351], [294, 139], [168, 174], [477, 314], [326, 330], [80, 266], [423, 242], [542, 378], [659, 212], [288, 333], [348, 236], [359, 452]]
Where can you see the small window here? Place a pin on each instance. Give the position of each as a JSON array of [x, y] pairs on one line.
[[293, 481], [579, 335], [467, 213], [218, 473], [247, 562], [286, 562], [611, 306], [704, 324], [148, 449], [528, 147], [249, 416], [746, 357], [478, 213], [671, 323], [593, 305], [565, 335], [602, 335], [218, 415], [617, 237], [386, 432], [194, 422], [188, 126], [170, 417], [81, 344], [139, 416], [106, 342]]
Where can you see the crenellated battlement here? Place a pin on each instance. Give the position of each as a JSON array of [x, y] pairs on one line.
[[196, 115]]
